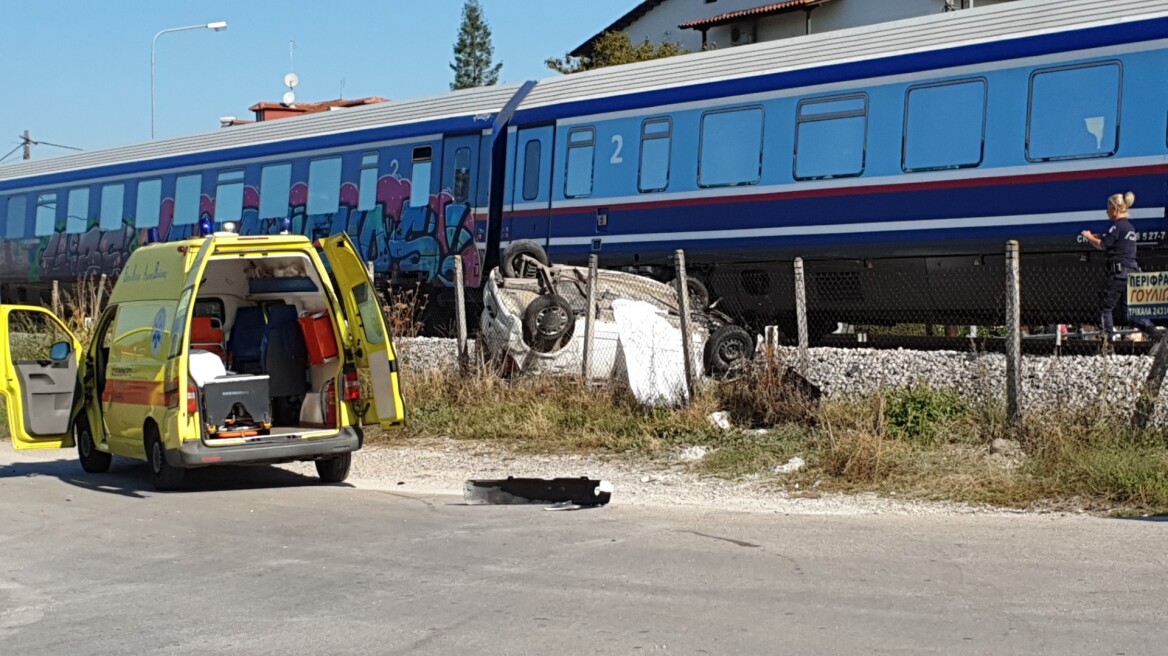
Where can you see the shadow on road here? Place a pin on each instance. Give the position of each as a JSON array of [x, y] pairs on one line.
[[1147, 518], [132, 479]]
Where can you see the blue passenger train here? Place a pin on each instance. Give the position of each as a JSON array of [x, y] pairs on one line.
[[917, 147]]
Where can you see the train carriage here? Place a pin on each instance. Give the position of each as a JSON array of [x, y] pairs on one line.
[[907, 152]]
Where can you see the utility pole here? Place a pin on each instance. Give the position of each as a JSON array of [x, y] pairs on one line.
[[27, 146]]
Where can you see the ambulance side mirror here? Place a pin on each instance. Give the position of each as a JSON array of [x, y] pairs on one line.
[[60, 351]]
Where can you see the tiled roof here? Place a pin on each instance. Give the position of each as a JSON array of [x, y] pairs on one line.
[[632, 16], [757, 12], [313, 107]]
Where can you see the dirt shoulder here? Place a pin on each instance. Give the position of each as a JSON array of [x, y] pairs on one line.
[[441, 467]]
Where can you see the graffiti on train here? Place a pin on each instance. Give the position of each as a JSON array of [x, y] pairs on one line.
[[409, 242]]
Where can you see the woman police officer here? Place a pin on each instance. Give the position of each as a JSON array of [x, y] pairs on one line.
[[1120, 245]]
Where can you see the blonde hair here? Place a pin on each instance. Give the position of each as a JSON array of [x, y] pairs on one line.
[[1122, 202]]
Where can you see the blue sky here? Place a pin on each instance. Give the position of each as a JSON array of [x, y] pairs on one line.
[[77, 72]]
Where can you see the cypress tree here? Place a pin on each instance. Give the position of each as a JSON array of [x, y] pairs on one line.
[[473, 52]]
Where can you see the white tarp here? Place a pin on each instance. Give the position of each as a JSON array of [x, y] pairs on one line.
[[653, 353]]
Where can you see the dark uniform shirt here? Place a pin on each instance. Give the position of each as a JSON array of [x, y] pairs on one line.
[[1120, 244]]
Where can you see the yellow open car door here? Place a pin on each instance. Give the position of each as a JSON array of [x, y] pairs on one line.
[[372, 346], [38, 376]]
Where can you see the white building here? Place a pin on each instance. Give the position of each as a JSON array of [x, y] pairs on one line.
[[726, 23]]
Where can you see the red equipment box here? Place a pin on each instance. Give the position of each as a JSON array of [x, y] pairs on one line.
[[318, 335]]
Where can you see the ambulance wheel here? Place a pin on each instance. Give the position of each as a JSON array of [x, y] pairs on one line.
[[335, 469], [92, 460], [514, 262], [164, 476]]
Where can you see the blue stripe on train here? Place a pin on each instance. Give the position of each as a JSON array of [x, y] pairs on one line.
[[908, 205]]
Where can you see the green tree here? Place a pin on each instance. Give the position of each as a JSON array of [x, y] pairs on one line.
[[473, 53], [613, 49]]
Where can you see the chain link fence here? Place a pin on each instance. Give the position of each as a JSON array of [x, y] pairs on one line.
[[851, 327]]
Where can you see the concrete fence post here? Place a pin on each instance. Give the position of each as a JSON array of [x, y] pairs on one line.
[[801, 314], [1013, 334], [460, 312], [55, 299], [590, 317], [686, 336]]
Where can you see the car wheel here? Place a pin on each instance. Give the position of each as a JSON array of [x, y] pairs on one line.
[[547, 322], [335, 469], [515, 262], [162, 474], [92, 460], [699, 295], [728, 349]]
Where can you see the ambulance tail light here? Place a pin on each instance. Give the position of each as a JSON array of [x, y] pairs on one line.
[[352, 385], [192, 398], [330, 403]]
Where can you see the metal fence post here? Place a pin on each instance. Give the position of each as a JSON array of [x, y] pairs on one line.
[[686, 337], [801, 313], [460, 312], [1013, 334], [590, 317]]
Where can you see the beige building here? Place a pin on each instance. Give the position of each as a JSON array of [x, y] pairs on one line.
[[726, 23]]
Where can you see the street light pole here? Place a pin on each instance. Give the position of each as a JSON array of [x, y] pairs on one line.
[[217, 26]]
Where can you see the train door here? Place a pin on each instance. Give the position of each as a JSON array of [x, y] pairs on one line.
[[530, 210], [461, 179]]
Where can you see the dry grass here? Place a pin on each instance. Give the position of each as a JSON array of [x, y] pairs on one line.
[[403, 311], [918, 443]]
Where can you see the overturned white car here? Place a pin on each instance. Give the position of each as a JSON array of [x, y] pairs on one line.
[[534, 317]]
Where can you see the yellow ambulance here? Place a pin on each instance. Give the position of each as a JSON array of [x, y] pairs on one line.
[[225, 349]]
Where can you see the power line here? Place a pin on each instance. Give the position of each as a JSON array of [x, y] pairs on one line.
[[11, 152]]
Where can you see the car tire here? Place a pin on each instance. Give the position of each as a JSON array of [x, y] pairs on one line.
[[699, 295], [728, 348], [92, 460], [162, 474], [513, 262], [335, 469], [547, 322]]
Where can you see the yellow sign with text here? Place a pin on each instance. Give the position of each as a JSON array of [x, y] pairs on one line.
[[1147, 295]]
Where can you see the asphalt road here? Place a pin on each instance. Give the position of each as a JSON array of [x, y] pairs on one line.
[[265, 561]]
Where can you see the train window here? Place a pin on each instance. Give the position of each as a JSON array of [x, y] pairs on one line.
[[731, 148], [531, 169], [656, 144], [581, 161], [275, 183], [420, 176], [367, 191], [187, 190], [113, 206], [830, 136], [1074, 112], [461, 175], [46, 214], [324, 185], [149, 203], [229, 196], [77, 218], [944, 126], [14, 222]]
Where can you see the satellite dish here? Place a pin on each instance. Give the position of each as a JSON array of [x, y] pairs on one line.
[[289, 98], [291, 80]]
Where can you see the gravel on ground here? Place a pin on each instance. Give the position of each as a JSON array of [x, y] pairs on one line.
[[440, 467]]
